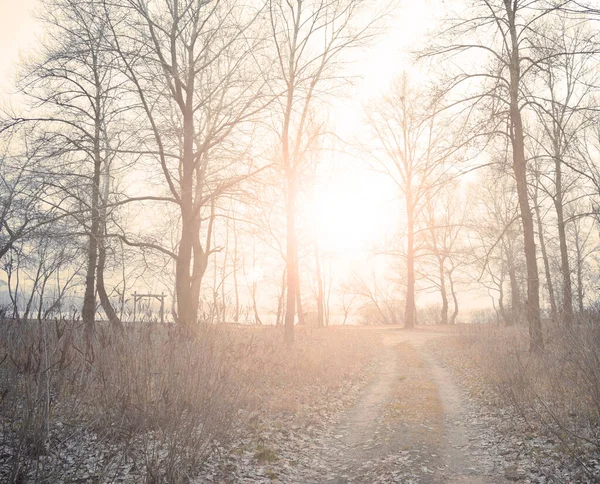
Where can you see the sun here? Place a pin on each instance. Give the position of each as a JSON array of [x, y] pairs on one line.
[[353, 213]]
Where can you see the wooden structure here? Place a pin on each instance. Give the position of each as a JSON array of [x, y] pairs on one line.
[[138, 297]]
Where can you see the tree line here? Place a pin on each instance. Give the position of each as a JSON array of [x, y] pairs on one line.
[[177, 141]]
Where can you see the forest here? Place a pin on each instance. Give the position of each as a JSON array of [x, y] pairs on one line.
[[235, 230]]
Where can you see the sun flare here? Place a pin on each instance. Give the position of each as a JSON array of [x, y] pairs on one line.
[[352, 213]]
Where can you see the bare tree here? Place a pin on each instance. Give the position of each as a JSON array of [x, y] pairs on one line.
[[195, 71], [349, 299], [581, 233], [562, 93], [73, 96], [445, 221], [411, 148], [310, 40], [501, 36], [377, 297], [40, 270], [495, 239], [537, 204], [22, 191]]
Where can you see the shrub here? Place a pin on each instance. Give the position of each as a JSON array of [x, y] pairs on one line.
[[556, 392], [155, 391]]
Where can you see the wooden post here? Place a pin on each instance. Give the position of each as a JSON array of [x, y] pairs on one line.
[[160, 297], [162, 308], [134, 306]]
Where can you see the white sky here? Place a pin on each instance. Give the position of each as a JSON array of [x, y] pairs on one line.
[[18, 32], [355, 194]]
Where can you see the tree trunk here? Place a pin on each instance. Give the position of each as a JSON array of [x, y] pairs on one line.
[[501, 307], [254, 303], [320, 295], [187, 314], [291, 261], [552, 299], [224, 274], [254, 289], [514, 290], [579, 252], [111, 314], [409, 312], [301, 319], [88, 312], [200, 255], [566, 312], [536, 339], [454, 299], [236, 316], [280, 305], [443, 293], [327, 301], [216, 312]]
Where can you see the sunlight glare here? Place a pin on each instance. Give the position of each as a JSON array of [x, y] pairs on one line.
[[352, 213]]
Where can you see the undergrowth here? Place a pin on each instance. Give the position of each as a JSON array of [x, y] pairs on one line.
[[149, 404], [556, 392]]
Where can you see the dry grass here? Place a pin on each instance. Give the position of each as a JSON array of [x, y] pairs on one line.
[[325, 358], [557, 391], [148, 405]]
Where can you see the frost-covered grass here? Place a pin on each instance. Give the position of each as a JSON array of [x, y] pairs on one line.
[[148, 405], [557, 392]]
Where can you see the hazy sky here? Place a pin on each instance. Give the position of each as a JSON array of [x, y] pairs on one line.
[[354, 192], [18, 31]]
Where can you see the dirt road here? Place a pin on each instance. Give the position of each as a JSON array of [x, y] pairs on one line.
[[412, 424]]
